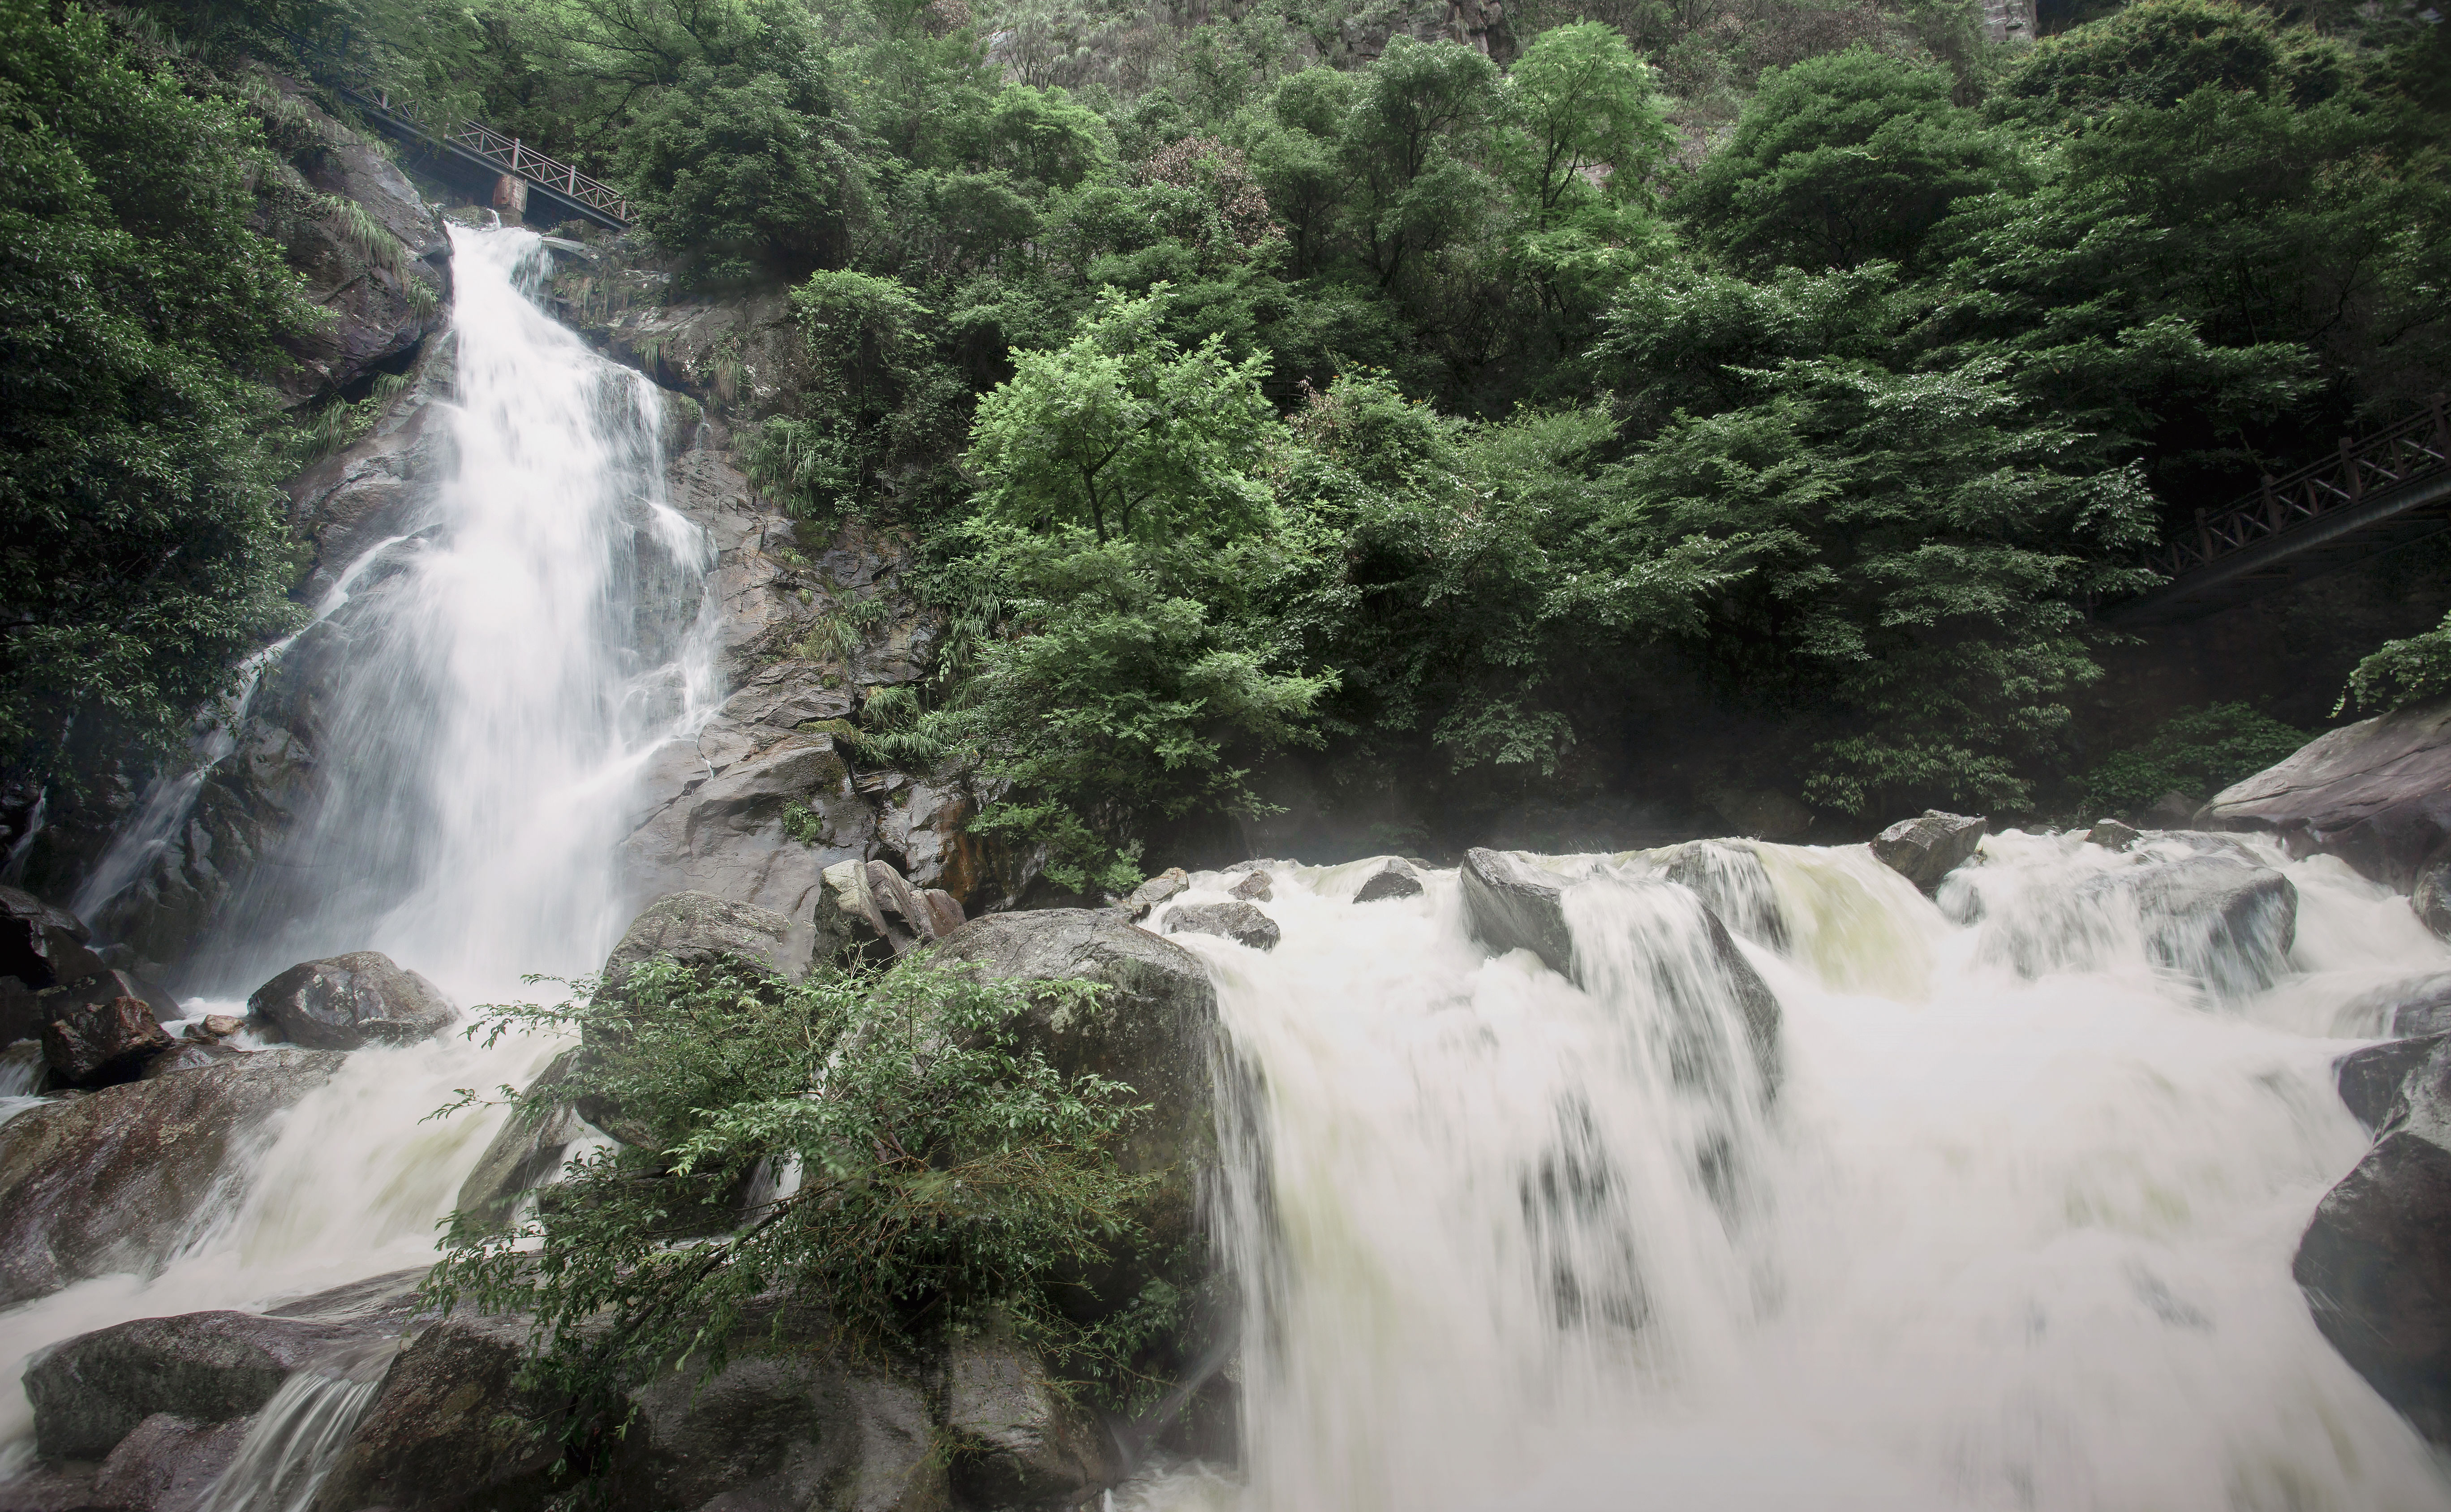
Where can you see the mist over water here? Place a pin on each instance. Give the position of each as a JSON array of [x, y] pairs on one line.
[[1998, 1241]]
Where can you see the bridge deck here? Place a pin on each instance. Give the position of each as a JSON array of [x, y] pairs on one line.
[[2375, 496], [476, 145]]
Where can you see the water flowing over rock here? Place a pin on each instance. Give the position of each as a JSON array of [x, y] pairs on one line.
[[1397, 879], [1241, 922], [350, 1001], [1923, 851], [2223, 921], [1516, 906], [523, 1155], [107, 1182], [1729, 877], [2376, 795]]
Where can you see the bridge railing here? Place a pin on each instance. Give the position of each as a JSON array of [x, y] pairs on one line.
[[2417, 446], [499, 148]]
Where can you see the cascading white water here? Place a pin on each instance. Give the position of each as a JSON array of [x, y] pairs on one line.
[[484, 688], [1996, 1241]]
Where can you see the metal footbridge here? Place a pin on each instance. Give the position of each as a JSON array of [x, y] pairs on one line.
[[2372, 496]]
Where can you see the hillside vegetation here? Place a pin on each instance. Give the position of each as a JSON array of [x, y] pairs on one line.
[[1798, 377]]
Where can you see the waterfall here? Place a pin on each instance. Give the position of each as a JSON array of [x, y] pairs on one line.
[[480, 691], [1994, 1238], [297, 1438]]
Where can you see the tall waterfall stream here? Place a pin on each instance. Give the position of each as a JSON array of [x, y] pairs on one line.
[[2009, 1228]]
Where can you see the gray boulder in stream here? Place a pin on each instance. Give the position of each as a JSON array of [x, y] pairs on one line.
[[1238, 921], [1515, 905], [110, 1181], [1927, 849], [350, 1002], [2376, 1268], [2225, 921]]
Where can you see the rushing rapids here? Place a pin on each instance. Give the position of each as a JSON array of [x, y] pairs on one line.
[[1890, 1202]]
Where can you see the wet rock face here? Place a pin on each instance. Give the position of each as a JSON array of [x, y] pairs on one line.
[[2223, 921], [109, 1181], [1018, 1440], [91, 1391], [2374, 1082], [1516, 906], [386, 296], [350, 1001], [1924, 849], [2376, 795], [699, 929], [1243, 923], [24, 1016], [1730, 879], [99, 1044], [2376, 1269], [42, 946], [1396, 878]]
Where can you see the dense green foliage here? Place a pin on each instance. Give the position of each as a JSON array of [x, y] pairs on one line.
[[885, 1153], [2401, 671], [1481, 417], [2195, 753], [141, 553]]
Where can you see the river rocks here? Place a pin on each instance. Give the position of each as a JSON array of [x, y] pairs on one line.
[[1241, 922], [1017, 1439], [91, 1391], [2374, 1082], [348, 1002], [749, 816], [1150, 893], [2114, 836], [699, 929], [525, 1152], [2225, 922], [1394, 878], [1730, 879], [1257, 888], [2376, 1269], [1923, 851], [165, 1465], [1513, 905], [109, 1181], [95, 1045], [2375, 794], [788, 1423], [23, 1015], [42, 946]]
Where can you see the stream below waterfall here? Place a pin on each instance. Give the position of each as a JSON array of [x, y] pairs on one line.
[[2007, 1224]]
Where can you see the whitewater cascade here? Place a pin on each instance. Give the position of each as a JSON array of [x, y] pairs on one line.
[[2002, 1221], [487, 684], [1993, 1241]]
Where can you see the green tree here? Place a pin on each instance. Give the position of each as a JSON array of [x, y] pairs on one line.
[[1842, 160], [1121, 430], [1582, 102], [141, 550], [947, 1176]]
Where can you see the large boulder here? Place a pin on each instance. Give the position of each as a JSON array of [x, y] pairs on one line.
[[699, 929], [1675, 950], [2223, 921], [112, 1180], [525, 1152], [1017, 1439], [788, 1423], [348, 1002], [23, 1015], [1241, 922], [1395, 877], [1516, 906], [95, 1045], [1924, 849], [1156, 1031], [1729, 877], [166, 1464], [42, 946], [2375, 794], [2376, 1268], [2374, 1082], [91, 1391]]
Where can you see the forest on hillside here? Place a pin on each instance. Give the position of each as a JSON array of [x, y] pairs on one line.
[[1793, 379]]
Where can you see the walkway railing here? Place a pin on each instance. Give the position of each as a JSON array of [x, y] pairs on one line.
[[2416, 446], [499, 148]]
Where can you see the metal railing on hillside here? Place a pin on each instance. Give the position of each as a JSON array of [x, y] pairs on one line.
[[2416, 447], [499, 148]]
